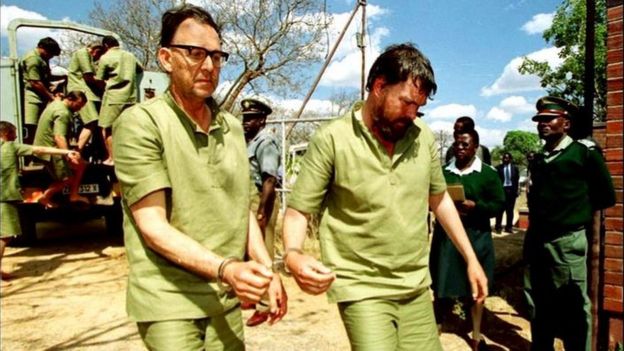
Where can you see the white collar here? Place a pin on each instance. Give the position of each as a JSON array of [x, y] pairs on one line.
[[474, 167]]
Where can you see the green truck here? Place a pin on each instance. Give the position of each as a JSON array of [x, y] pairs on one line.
[[99, 183]]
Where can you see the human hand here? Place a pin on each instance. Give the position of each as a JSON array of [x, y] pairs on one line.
[[250, 280], [478, 281], [73, 157], [465, 207], [311, 275], [278, 300]]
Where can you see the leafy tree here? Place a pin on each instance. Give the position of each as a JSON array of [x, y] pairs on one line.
[[518, 143], [568, 33]]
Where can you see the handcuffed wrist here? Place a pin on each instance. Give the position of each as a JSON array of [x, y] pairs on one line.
[[221, 271]]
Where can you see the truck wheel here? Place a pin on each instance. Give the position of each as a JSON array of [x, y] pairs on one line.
[[28, 221], [114, 219]]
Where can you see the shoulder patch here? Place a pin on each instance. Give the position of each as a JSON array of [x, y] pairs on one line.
[[590, 144]]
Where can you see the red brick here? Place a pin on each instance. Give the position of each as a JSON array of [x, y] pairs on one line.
[[614, 42], [614, 55], [614, 223], [613, 278], [617, 183], [614, 238], [615, 168], [613, 292], [613, 155], [614, 211], [619, 198], [614, 98], [614, 13], [614, 141], [615, 27], [614, 70], [616, 331], [613, 265], [614, 126], [614, 113], [615, 83], [612, 305], [612, 251]]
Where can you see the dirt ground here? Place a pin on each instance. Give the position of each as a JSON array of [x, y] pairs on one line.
[[69, 294]]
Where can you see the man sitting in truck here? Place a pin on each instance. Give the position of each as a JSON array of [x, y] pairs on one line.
[[52, 130]]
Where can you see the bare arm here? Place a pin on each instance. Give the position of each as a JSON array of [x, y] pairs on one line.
[[445, 212], [250, 280], [61, 142], [41, 89], [267, 200], [310, 274]]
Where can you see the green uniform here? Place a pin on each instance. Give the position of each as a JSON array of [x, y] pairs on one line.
[[448, 268], [373, 232], [34, 68], [119, 69], [205, 177], [10, 191], [55, 120], [567, 186], [80, 64], [264, 158]]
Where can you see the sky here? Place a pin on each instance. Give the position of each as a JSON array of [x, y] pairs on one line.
[[475, 48]]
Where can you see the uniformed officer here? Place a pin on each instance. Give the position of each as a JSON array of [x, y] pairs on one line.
[[569, 181], [35, 66], [264, 160], [119, 68]]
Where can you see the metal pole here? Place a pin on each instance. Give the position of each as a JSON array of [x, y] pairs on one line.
[[363, 48], [327, 61]]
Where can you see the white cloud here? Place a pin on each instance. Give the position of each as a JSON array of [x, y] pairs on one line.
[[491, 137], [451, 111], [498, 114], [539, 23], [345, 68], [512, 81], [321, 107], [517, 104], [9, 13]]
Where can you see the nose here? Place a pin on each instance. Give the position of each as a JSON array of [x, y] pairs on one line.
[[208, 64]]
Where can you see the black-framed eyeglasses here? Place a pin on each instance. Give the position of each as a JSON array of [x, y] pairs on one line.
[[197, 54]]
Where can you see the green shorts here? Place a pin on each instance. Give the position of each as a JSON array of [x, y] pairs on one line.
[[9, 220], [32, 112], [58, 168], [223, 332], [385, 324], [89, 112], [109, 113]]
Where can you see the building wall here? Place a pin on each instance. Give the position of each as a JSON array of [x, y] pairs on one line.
[[612, 278]]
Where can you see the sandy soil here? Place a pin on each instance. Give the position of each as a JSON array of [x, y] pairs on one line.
[[68, 294]]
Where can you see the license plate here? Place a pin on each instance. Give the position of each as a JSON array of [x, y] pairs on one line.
[[85, 189]]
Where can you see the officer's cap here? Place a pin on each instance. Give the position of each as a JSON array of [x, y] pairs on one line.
[[551, 106], [253, 106]]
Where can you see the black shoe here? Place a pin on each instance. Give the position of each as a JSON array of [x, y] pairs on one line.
[[497, 230], [509, 229]]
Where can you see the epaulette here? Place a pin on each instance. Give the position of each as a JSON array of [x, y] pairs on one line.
[[590, 144]]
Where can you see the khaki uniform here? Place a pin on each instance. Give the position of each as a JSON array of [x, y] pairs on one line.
[[373, 232], [205, 178], [82, 63], [55, 120], [34, 68], [119, 69], [10, 191]]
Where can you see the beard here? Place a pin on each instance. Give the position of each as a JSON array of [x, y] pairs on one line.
[[391, 131]]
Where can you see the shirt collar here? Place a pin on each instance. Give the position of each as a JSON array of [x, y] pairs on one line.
[[474, 167], [564, 143]]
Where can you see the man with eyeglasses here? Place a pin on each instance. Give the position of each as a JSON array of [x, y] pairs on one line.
[[184, 174], [118, 69], [569, 182]]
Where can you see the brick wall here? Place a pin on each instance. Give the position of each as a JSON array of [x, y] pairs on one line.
[[612, 303]]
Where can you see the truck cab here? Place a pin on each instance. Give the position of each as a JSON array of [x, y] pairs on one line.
[[99, 183]]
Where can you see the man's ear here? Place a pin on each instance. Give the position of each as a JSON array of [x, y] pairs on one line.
[[567, 125], [164, 58], [378, 85]]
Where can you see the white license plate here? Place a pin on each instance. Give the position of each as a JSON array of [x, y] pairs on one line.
[[85, 189]]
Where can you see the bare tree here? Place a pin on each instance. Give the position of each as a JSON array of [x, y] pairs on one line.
[[444, 139], [272, 43], [343, 99], [137, 22]]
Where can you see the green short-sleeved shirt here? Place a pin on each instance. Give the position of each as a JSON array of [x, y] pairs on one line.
[[34, 68], [373, 232], [206, 182], [119, 69], [54, 120], [81, 63], [9, 153]]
